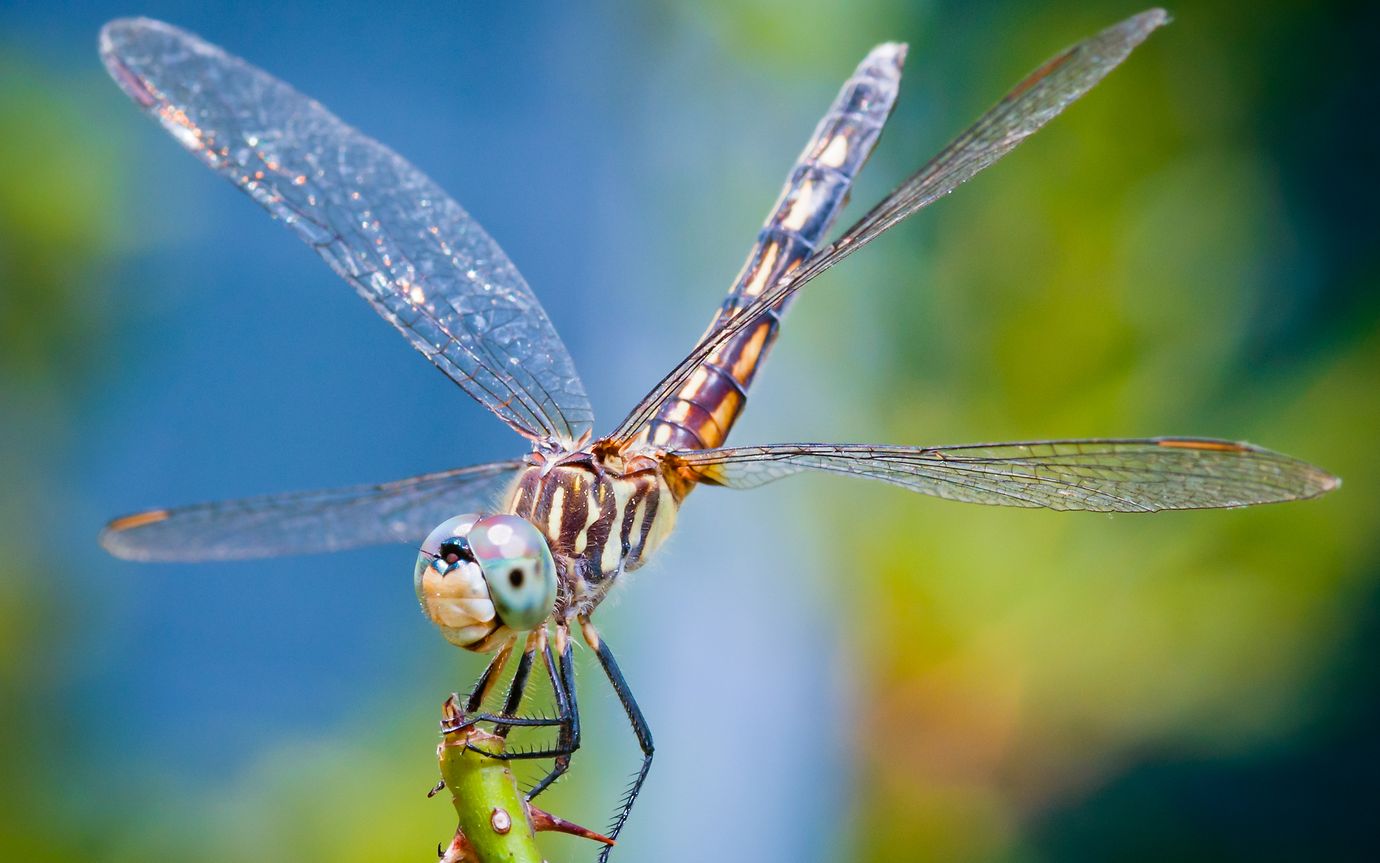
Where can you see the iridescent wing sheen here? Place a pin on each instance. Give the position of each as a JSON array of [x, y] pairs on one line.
[[1030, 105], [308, 522], [1129, 475], [404, 244]]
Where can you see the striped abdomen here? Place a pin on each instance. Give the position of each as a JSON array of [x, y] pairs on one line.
[[599, 523], [701, 414]]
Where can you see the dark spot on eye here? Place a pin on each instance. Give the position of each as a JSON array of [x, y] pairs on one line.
[[452, 551], [515, 578]]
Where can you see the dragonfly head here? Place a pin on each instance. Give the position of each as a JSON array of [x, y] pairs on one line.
[[481, 577]]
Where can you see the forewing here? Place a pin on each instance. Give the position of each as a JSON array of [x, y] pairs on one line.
[[308, 522], [1030, 105], [404, 244], [1130, 475]]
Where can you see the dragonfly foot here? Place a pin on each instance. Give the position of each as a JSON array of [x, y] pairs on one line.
[[460, 723]]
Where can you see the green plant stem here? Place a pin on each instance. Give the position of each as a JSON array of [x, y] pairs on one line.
[[496, 823]]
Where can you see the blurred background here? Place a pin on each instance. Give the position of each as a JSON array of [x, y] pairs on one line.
[[1190, 250]]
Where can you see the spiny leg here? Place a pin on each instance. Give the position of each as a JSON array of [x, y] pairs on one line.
[[635, 718], [563, 689], [486, 681], [563, 685], [567, 719], [478, 693], [484, 685], [518, 687]]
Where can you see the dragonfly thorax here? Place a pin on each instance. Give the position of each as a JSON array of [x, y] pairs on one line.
[[599, 522]]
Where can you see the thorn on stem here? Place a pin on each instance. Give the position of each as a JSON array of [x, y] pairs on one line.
[[543, 821]]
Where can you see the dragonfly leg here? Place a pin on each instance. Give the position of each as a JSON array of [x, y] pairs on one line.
[[567, 718], [482, 687], [478, 693], [563, 684], [518, 687], [486, 681], [500, 719], [635, 718]]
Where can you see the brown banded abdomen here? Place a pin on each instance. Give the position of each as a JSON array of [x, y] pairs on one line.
[[701, 414]]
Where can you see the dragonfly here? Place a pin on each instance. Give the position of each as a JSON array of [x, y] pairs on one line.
[[516, 556]]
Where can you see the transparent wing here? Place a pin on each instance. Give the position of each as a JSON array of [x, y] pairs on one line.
[[308, 522], [1131, 475], [382, 225], [1030, 105]]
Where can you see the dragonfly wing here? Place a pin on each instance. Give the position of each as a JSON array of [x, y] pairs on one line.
[[404, 244], [308, 522], [1029, 106], [1129, 475]]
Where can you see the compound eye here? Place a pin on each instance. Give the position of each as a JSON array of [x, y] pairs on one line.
[[518, 567]]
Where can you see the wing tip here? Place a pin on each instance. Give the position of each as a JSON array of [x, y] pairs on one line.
[[117, 31], [1125, 36], [1315, 482], [114, 537], [114, 38], [1141, 25], [891, 54], [119, 35], [1155, 16]]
